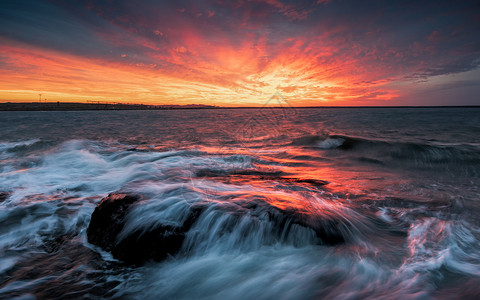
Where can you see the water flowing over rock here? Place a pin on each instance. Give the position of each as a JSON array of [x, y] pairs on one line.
[[138, 246], [159, 241], [108, 219], [3, 196]]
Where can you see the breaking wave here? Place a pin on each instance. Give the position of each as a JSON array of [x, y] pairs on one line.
[[399, 154], [260, 222]]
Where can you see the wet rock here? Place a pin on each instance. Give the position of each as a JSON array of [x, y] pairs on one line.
[[259, 175], [156, 243], [48, 279], [315, 182], [328, 230], [245, 172], [55, 244], [138, 246], [108, 219], [3, 196]]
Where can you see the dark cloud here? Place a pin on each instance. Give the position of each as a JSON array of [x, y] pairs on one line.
[[408, 34], [45, 25]]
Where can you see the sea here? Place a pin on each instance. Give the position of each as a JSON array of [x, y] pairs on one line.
[[399, 188]]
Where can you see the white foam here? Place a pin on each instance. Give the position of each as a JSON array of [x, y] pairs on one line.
[[330, 143]]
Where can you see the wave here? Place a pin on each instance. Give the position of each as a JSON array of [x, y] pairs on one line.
[[5, 146], [388, 152], [259, 222], [10, 149]]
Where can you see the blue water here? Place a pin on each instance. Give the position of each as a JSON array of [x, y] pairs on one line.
[[403, 188]]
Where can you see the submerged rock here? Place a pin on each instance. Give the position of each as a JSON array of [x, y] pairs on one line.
[[143, 243], [155, 244], [3, 196], [328, 230], [139, 246], [108, 220]]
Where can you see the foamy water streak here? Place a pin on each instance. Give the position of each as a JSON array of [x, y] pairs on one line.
[[403, 215]]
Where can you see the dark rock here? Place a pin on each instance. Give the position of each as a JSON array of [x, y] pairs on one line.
[[315, 182], [136, 150], [164, 240], [85, 279], [3, 196], [139, 246], [53, 245], [108, 219], [328, 230], [156, 244], [259, 175]]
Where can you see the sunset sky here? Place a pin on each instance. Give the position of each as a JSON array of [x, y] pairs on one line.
[[240, 53]]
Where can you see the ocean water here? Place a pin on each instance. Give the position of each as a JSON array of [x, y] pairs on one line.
[[399, 186]]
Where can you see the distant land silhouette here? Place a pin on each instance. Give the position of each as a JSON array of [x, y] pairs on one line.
[[65, 106], [76, 106]]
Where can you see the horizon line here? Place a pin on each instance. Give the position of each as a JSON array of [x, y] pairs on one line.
[[124, 106]]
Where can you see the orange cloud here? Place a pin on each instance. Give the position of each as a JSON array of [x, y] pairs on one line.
[[227, 53], [221, 74]]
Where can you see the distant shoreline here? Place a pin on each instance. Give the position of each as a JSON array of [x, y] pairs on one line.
[[77, 106]]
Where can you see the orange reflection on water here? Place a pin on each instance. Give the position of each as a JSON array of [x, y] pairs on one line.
[[293, 178]]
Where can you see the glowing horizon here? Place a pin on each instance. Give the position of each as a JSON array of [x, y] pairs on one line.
[[239, 54]]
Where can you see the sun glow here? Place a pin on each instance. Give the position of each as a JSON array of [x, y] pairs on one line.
[[220, 75], [233, 53]]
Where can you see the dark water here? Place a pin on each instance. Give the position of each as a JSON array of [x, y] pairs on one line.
[[403, 190]]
